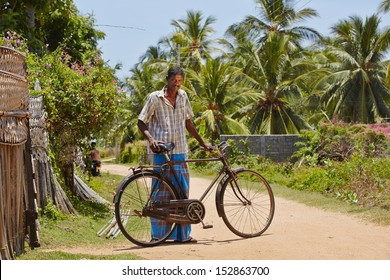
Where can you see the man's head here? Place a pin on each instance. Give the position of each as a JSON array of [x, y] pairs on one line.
[[175, 71], [175, 78]]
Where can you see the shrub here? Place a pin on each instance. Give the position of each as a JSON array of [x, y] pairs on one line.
[[350, 162], [339, 142], [134, 152]]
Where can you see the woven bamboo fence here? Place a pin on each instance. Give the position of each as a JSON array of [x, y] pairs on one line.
[[17, 203], [46, 181], [12, 61]]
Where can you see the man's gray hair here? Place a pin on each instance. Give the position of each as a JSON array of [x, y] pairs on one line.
[[175, 71]]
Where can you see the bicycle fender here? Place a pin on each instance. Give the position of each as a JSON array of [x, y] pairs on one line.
[[128, 177], [223, 182]]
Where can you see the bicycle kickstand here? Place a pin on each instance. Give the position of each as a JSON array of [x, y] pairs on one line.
[[203, 224]]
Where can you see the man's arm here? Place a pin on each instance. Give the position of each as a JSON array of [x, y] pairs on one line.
[[194, 132], [145, 131]]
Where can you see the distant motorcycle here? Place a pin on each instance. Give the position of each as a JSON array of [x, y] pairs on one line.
[[95, 168]]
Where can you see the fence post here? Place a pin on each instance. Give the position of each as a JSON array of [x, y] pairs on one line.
[[31, 212]]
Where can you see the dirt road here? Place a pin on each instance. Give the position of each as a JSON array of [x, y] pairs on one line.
[[298, 232]]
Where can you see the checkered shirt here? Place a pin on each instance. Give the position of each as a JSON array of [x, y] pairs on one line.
[[165, 122]]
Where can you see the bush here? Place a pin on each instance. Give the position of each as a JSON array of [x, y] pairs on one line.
[[349, 162], [134, 152], [339, 142]]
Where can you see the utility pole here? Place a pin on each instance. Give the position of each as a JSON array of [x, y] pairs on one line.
[[178, 55]]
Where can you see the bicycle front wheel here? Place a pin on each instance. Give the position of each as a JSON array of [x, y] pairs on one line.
[[247, 203], [135, 195]]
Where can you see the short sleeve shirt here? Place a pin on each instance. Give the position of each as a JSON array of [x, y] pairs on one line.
[[166, 122]]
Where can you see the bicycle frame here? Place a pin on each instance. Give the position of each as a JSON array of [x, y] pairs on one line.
[[224, 173], [225, 170]]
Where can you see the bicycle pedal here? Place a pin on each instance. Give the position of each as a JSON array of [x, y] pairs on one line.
[[207, 226]]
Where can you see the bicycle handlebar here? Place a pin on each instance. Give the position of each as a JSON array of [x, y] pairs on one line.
[[221, 146], [167, 147]]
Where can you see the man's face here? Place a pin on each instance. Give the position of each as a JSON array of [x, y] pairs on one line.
[[175, 82]]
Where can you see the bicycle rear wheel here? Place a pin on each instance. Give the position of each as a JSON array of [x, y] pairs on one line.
[[248, 203], [135, 194]]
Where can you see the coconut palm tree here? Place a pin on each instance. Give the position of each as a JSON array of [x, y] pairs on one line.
[[215, 95], [268, 48], [145, 78], [154, 53], [277, 87], [384, 6], [355, 89], [277, 16], [191, 40]]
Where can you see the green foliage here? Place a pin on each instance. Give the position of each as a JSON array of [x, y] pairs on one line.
[[361, 96], [364, 181], [50, 24], [134, 153], [79, 89], [80, 101], [13, 40], [349, 162], [339, 142], [91, 208], [51, 212]]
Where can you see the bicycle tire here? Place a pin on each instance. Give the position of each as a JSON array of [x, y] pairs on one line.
[[133, 195], [249, 211]]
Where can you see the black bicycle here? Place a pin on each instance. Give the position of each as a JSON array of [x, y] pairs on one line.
[[244, 200]]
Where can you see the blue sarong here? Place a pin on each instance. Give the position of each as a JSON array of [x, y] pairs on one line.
[[161, 227]]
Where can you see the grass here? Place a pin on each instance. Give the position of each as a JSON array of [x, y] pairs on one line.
[[69, 231], [74, 232]]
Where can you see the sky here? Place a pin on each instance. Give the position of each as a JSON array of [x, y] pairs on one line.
[[132, 26]]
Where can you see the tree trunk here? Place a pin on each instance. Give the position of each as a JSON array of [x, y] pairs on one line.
[[65, 160], [67, 172]]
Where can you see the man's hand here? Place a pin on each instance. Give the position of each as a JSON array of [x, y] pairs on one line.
[[153, 144], [208, 147]]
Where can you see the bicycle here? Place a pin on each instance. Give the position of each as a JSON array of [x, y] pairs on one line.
[[244, 200]]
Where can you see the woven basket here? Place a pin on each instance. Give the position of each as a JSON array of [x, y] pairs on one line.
[[12, 61], [13, 131], [14, 93]]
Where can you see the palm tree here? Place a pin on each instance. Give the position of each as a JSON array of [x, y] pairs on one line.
[[269, 51], [154, 53], [277, 16], [385, 6], [191, 38], [276, 82], [215, 95], [355, 90], [145, 78]]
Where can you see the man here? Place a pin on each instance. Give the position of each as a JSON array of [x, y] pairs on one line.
[[95, 158], [165, 118]]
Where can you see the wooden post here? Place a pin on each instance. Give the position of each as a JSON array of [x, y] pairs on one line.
[[31, 212]]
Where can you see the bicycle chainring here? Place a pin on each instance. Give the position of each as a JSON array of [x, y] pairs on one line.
[[194, 210]]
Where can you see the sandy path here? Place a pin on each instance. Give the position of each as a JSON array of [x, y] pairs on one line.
[[298, 232]]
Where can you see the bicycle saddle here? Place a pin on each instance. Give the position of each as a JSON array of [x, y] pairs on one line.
[[165, 147]]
